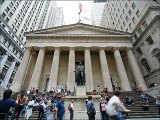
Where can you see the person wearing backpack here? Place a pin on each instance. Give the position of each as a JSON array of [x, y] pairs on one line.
[[71, 109]]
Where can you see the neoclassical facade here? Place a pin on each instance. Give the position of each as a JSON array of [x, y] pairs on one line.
[[52, 55]]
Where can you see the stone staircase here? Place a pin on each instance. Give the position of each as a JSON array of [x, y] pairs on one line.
[[136, 109]]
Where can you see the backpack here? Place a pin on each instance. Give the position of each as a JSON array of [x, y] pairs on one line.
[[69, 107]]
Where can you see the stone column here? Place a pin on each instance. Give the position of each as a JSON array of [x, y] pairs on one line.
[[88, 71], [136, 71], [105, 71], [54, 70], [37, 69], [18, 79], [9, 73], [71, 69], [122, 72], [3, 61]]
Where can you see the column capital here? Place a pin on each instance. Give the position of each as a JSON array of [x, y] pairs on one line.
[[28, 48], [115, 48], [87, 48], [42, 48], [72, 48], [128, 48], [101, 48], [57, 48]]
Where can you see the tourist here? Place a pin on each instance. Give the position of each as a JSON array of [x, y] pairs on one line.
[[42, 108], [21, 102], [6, 103], [158, 103], [145, 105], [103, 107], [115, 104], [144, 97], [90, 108], [60, 109], [30, 106], [129, 100], [71, 109]]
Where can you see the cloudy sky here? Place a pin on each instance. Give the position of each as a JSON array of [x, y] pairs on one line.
[[71, 9]]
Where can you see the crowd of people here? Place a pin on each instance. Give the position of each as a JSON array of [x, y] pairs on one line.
[[51, 105]]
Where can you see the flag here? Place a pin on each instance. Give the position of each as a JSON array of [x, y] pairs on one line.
[[80, 8]]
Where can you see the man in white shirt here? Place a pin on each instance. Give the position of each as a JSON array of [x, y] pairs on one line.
[[114, 105], [71, 109]]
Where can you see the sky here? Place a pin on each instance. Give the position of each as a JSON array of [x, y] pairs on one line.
[[71, 10]]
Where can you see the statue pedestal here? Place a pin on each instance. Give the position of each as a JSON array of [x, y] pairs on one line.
[[81, 90]]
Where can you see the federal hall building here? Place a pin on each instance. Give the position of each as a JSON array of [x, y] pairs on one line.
[[52, 55]]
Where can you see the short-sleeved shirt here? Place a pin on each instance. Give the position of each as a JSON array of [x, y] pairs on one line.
[[61, 108], [6, 104], [90, 106]]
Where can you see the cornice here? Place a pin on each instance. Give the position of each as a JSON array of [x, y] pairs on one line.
[[45, 36]]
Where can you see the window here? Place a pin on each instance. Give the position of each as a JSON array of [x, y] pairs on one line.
[[150, 40], [124, 23], [138, 13], [144, 24], [10, 59], [156, 53], [11, 4], [130, 25], [7, 44], [139, 30], [139, 51], [145, 65], [3, 15], [4, 70], [126, 5], [14, 9], [121, 16], [7, 19], [123, 11], [4, 41], [14, 50], [127, 18], [10, 14], [7, 9], [1, 2], [133, 19], [130, 12], [133, 5]]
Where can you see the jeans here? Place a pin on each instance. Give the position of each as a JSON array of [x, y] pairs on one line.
[[120, 114], [41, 113], [116, 117], [71, 114], [91, 116], [23, 110], [104, 115]]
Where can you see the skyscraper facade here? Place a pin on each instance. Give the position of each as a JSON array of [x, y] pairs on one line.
[[16, 18], [96, 15], [141, 18]]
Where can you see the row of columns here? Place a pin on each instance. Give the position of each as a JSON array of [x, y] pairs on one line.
[[125, 85], [9, 71]]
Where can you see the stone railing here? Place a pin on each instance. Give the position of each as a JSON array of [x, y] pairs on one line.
[[154, 91]]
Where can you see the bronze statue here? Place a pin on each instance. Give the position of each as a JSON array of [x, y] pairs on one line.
[[80, 74]]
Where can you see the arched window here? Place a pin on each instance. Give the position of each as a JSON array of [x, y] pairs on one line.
[[145, 65], [156, 53]]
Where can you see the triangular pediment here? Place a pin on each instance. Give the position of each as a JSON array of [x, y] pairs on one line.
[[78, 29]]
